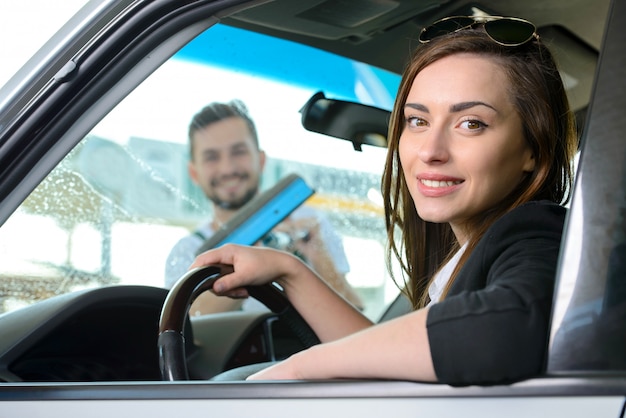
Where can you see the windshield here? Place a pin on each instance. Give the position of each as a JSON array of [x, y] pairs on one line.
[[116, 205]]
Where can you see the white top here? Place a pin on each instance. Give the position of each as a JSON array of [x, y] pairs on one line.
[[443, 276]]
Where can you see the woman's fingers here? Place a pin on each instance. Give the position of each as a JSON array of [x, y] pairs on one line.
[[251, 266], [237, 293], [221, 255]]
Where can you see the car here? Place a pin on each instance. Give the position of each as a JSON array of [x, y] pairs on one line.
[[94, 193]]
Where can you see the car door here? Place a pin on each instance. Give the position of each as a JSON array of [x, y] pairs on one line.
[[67, 98]]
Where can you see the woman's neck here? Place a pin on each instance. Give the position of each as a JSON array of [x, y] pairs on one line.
[[461, 233]]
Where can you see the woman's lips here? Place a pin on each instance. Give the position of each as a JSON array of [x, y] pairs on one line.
[[439, 183], [437, 186]]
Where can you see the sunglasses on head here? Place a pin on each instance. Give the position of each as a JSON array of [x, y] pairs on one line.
[[507, 31]]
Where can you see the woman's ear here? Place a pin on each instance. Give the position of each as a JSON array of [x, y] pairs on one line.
[[529, 163]]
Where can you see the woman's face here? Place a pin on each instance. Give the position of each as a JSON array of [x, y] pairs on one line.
[[462, 148]]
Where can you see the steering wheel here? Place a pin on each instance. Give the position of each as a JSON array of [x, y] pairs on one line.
[[171, 341]]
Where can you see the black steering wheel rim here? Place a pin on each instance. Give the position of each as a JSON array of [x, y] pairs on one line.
[[171, 339]]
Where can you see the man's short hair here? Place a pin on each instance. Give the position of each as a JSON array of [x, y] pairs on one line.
[[215, 112]]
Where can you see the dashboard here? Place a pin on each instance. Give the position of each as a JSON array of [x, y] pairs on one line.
[[110, 334]]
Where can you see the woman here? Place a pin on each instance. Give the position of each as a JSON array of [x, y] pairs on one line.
[[480, 147]]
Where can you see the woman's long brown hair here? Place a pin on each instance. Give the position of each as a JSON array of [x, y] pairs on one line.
[[539, 97]]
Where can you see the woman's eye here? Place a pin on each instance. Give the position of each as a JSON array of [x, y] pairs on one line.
[[473, 125], [415, 122]]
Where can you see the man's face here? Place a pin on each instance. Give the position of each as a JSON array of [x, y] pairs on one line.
[[226, 163]]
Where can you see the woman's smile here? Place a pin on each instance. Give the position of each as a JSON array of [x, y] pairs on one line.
[[431, 185]]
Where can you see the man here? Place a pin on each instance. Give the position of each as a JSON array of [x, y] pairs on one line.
[[226, 162]]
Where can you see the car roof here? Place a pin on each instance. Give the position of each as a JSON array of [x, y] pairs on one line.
[[382, 33]]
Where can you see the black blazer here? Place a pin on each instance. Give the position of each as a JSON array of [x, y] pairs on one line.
[[493, 325]]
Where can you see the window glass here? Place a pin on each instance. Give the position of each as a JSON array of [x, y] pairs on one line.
[[112, 210]]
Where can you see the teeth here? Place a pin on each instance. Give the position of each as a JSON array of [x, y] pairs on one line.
[[229, 183], [437, 183]]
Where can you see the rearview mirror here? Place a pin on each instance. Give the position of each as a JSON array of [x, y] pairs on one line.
[[355, 122]]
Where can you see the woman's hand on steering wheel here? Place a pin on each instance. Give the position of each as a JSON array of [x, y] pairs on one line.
[[252, 266]]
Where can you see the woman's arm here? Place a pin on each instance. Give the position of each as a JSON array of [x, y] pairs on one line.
[[328, 314], [491, 328], [396, 349]]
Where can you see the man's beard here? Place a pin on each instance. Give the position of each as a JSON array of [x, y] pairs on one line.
[[234, 204]]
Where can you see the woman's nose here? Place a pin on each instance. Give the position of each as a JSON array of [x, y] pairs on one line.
[[433, 147]]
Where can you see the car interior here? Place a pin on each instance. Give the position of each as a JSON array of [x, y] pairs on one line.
[[91, 166]]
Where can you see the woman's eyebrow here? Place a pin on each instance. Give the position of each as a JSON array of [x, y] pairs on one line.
[[467, 105], [458, 107], [417, 106]]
